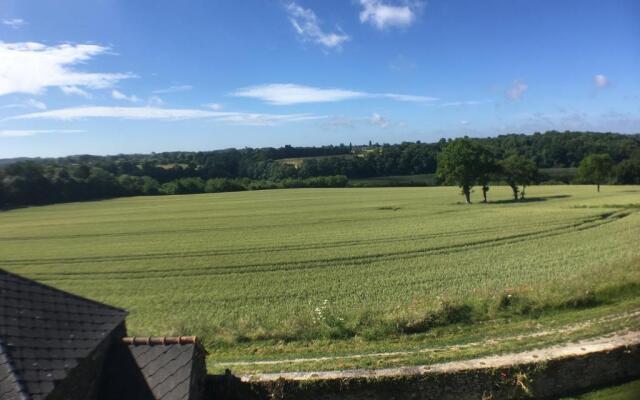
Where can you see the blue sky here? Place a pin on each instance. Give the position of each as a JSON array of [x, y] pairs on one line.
[[118, 76]]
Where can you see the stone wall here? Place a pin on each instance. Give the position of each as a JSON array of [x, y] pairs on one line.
[[546, 379]]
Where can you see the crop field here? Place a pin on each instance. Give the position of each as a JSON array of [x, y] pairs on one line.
[[318, 272]]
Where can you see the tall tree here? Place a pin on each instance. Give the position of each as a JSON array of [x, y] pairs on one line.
[[459, 164], [518, 171], [595, 168], [488, 168]]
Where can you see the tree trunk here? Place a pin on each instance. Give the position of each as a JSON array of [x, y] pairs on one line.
[[467, 194], [485, 189], [598, 188], [522, 193], [515, 192]]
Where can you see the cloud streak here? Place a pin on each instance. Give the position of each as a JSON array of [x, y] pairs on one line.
[[167, 114], [173, 89], [33, 132], [307, 26], [288, 93], [30, 67], [14, 23], [118, 95]]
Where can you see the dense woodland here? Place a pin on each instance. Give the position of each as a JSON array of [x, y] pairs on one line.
[[85, 177]]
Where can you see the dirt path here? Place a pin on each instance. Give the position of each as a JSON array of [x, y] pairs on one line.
[[507, 360], [566, 329]]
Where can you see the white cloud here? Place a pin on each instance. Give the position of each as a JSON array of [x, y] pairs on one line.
[[30, 67], [155, 101], [379, 120], [463, 103], [173, 89], [118, 95], [288, 93], [601, 81], [14, 23], [464, 122], [36, 104], [33, 132], [382, 15], [214, 106], [31, 103], [74, 90], [307, 25], [154, 113], [517, 89]]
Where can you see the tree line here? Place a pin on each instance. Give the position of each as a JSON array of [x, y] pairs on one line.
[[508, 158]]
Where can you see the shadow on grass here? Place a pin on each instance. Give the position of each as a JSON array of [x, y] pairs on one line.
[[529, 199]]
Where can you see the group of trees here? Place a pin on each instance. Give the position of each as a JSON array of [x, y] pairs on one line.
[[466, 163], [601, 168], [509, 157]]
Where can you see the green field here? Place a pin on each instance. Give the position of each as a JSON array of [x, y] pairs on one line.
[[319, 272], [627, 391]]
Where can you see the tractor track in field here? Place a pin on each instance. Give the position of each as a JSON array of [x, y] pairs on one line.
[[635, 314], [584, 224], [270, 249], [207, 229]]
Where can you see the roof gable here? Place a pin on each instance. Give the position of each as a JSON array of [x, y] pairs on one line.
[[44, 333]]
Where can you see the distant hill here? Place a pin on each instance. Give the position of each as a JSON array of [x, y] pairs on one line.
[[7, 161]]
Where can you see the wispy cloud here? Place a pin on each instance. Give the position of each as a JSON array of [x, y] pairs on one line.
[[307, 26], [74, 90], [601, 81], [379, 120], [154, 113], [517, 89], [383, 15], [463, 103], [214, 106], [33, 132], [173, 89], [118, 95], [31, 103], [288, 93], [30, 67], [14, 23]]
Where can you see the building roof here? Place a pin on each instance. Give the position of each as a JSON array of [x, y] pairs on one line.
[[44, 334], [161, 368]]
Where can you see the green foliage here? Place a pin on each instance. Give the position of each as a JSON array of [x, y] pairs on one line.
[[595, 168], [518, 171], [461, 163]]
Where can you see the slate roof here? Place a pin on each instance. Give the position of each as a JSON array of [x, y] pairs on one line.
[[154, 368], [166, 368], [44, 334]]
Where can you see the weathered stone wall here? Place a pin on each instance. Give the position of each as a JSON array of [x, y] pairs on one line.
[[542, 380]]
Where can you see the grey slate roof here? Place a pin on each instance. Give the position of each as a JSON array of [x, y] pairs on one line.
[[166, 368], [154, 369], [44, 334]]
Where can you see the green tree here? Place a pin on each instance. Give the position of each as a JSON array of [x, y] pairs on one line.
[[459, 164], [488, 169], [518, 171], [595, 168]]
